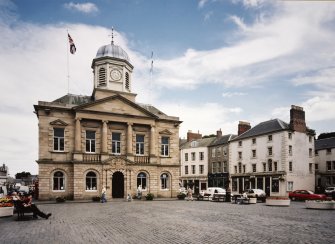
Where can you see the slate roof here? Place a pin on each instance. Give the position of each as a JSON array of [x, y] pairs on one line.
[[222, 140], [263, 128], [74, 99], [325, 143], [200, 143]]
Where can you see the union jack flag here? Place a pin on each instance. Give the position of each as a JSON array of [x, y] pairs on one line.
[[72, 46]]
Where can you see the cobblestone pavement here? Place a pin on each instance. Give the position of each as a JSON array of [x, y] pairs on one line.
[[172, 222]]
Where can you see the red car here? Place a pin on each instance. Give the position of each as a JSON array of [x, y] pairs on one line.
[[306, 195]]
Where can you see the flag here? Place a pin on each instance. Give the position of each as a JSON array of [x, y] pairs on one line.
[[72, 46]]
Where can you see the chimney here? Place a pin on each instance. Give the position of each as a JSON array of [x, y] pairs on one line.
[[297, 119], [219, 133], [193, 136], [243, 127]]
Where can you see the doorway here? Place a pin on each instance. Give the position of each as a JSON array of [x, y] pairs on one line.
[[118, 185]]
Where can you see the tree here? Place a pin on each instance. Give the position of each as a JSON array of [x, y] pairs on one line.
[[22, 175], [208, 136]]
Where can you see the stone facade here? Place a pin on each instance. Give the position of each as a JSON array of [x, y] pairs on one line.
[[107, 139]]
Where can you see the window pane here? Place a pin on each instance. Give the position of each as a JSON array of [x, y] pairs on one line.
[[59, 132], [90, 134], [139, 138], [116, 136]]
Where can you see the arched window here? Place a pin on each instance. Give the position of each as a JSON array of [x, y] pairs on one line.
[[142, 180], [58, 181], [91, 181], [102, 77], [127, 81], [164, 181]]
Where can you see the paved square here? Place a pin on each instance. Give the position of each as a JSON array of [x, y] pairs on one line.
[[172, 222]]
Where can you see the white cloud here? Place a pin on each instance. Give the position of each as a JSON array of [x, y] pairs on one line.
[[208, 15], [82, 7], [233, 94], [202, 3]]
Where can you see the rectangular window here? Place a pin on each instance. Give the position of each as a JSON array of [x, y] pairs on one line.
[[239, 167], [243, 168], [275, 165], [213, 152], [310, 139], [264, 167], [254, 168], [269, 137], [59, 139], [290, 186], [239, 155], [201, 156], [316, 166], [193, 169], [186, 156], [225, 167], [270, 151], [218, 151], [240, 143], [90, 141], [290, 135], [290, 166], [329, 165], [201, 169], [235, 168], [270, 165], [165, 146], [254, 153], [275, 185], [290, 152], [254, 141], [193, 156], [186, 169], [310, 168], [333, 165], [219, 167], [316, 152], [116, 143], [139, 144], [214, 165], [310, 152], [328, 151]]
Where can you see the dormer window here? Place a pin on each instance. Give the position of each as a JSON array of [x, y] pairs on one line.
[[127, 83], [102, 77]]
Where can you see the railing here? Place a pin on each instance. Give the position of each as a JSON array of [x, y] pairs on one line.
[[91, 157], [142, 159]]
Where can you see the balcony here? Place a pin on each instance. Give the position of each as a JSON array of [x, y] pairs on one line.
[[92, 158], [142, 159]]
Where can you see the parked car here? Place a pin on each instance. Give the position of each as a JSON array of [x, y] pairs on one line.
[[211, 191], [257, 193], [306, 195], [329, 190]]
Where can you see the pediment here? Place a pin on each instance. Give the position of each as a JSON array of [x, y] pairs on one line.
[[165, 132], [58, 122], [116, 105]]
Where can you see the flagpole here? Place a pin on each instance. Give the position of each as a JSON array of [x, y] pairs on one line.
[[67, 59], [151, 71]]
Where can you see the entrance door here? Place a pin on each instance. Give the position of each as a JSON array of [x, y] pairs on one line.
[[240, 185], [118, 185]]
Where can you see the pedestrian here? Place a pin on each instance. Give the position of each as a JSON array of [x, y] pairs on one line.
[[139, 192], [129, 199], [103, 195], [28, 204], [189, 194]]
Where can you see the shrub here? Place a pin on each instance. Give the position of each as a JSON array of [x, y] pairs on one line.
[[149, 196]]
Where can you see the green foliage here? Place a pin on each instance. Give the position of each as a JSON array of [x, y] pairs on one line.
[[208, 136], [149, 196], [22, 175]]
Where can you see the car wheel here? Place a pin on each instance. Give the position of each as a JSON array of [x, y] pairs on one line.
[[293, 198]]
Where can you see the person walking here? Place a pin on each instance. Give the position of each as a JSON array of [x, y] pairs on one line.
[[103, 195], [189, 194], [139, 192]]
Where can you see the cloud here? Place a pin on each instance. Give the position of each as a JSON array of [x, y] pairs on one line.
[[233, 94], [208, 15], [82, 7], [202, 3]]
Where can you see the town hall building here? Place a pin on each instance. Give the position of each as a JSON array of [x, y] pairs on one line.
[[107, 139]]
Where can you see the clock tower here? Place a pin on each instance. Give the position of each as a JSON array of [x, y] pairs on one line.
[[112, 72]]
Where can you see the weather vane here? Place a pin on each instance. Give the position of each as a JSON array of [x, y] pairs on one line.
[[112, 35]]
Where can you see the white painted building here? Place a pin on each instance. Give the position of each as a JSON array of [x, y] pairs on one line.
[[325, 162], [194, 164], [274, 156]]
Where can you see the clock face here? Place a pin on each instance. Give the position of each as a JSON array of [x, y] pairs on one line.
[[115, 74]]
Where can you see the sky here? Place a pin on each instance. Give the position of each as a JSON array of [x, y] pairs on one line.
[[215, 62]]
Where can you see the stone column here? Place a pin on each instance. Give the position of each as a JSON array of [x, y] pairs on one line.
[[152, 141], [130, 139], [104, 137], [77, 141]]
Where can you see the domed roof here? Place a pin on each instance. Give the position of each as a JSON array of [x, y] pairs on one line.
[[112, 51]]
